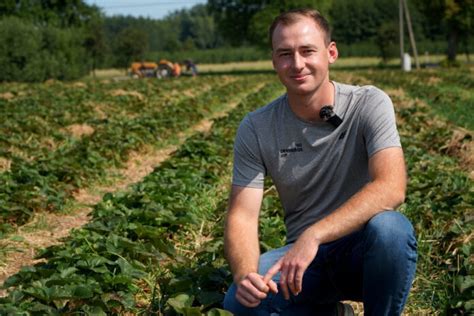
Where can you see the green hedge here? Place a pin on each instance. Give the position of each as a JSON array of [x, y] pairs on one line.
[[34, 53]]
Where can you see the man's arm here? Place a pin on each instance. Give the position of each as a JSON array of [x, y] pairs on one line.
[[241, 245], [386, 191]]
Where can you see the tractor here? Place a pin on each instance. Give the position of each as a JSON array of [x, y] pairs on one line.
[[163, 69]]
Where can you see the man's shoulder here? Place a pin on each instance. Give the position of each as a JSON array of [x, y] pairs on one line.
[[367, 90], [264, 112]]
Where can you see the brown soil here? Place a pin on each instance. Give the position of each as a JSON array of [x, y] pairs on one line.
[[5, 164], [79, 130], [120, 92], [7, 96], [461, 145], [79, 85], [48, 229]]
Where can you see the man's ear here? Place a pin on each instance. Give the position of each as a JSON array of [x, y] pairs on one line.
[[333, 53]]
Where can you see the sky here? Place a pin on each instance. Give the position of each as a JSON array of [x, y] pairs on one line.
[[155, 9]]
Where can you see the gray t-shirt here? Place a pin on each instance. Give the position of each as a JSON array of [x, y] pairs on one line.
[[314, 166]]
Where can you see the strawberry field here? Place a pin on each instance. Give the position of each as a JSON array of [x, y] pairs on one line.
[[157, 247]]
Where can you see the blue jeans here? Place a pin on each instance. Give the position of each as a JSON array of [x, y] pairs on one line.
[[375, 265]]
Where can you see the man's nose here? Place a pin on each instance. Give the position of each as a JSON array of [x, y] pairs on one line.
[[298, 61]]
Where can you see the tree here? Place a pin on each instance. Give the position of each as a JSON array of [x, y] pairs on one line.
[[246, 21], [455, 16], [64, 13], [94, 42], [132, 44]]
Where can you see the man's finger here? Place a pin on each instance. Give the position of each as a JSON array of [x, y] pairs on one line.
[[273, 286], [250, 289], [284, 284], [246, 300], [258, 282], [291, 280], [299, 280], [272, 271]]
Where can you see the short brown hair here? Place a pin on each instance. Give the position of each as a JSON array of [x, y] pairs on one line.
[[293, 16]]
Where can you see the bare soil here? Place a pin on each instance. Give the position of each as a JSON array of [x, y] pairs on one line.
[[79, 130]]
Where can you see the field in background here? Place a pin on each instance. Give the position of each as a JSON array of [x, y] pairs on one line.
[[266, 65], [157, 247]]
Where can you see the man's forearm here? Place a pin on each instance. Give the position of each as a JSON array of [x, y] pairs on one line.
[[385, 192], [241, 245], [356, 212]]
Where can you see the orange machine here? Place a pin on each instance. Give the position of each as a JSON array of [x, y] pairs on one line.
[[164, 68]]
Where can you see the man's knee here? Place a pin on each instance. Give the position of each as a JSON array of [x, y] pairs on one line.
[[392, 231]]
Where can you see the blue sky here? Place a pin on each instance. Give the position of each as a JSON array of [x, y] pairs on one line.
[[156, 9]]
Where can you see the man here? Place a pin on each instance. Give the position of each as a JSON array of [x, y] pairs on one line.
[[339, 185]]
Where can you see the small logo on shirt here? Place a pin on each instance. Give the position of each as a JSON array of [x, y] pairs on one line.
[[343, 134], [285, 151]]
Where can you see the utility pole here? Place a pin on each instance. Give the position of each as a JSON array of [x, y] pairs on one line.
[[403, 7], [412, 36], [400, 23]]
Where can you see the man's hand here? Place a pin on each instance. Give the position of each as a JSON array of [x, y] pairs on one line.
[[252, 289], [293, 264]]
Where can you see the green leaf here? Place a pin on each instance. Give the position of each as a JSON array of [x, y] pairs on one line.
[[192, 311], [464, 282], [82, 291], [180, 301], [209, 298], [93, 310], [17, 238], [67, 272], [218, 312]]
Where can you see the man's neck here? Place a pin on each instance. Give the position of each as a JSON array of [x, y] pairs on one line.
[[307, 106]]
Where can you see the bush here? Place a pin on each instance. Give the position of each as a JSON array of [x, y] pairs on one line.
[[40, 52]]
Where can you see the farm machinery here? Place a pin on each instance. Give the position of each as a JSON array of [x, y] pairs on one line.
[[163, 69]]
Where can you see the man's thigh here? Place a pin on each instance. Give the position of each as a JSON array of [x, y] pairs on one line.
[[335, 274]]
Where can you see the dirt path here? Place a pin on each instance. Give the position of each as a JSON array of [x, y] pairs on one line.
[[47, 229]]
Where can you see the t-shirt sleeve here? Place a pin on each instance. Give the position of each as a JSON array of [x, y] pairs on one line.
[[248, 170], [380, 129]]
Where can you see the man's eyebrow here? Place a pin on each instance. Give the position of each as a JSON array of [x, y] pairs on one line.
[[279, 50], [287, 49], [308, 46]]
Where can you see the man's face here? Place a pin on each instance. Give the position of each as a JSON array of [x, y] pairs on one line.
[[300, 56]]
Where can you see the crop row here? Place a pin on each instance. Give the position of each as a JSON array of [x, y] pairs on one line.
[[48, 180], [131, 256], [449, 92], [39, 118]]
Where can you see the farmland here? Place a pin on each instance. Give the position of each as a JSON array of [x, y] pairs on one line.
[[156, 247]]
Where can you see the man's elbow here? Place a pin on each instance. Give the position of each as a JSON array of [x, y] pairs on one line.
[[397, 196]]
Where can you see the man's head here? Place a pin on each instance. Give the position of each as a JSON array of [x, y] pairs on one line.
[[293, 16], [302, 52]]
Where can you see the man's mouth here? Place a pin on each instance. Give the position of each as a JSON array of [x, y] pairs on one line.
[[299, 77]]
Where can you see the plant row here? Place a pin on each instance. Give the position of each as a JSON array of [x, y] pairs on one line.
[[37, 116], [449, 92], [147, 249], [48, 181]]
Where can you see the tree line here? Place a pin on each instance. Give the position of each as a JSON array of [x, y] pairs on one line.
[[42, 39]]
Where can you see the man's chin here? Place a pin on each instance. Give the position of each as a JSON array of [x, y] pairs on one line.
[[301, 90]]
